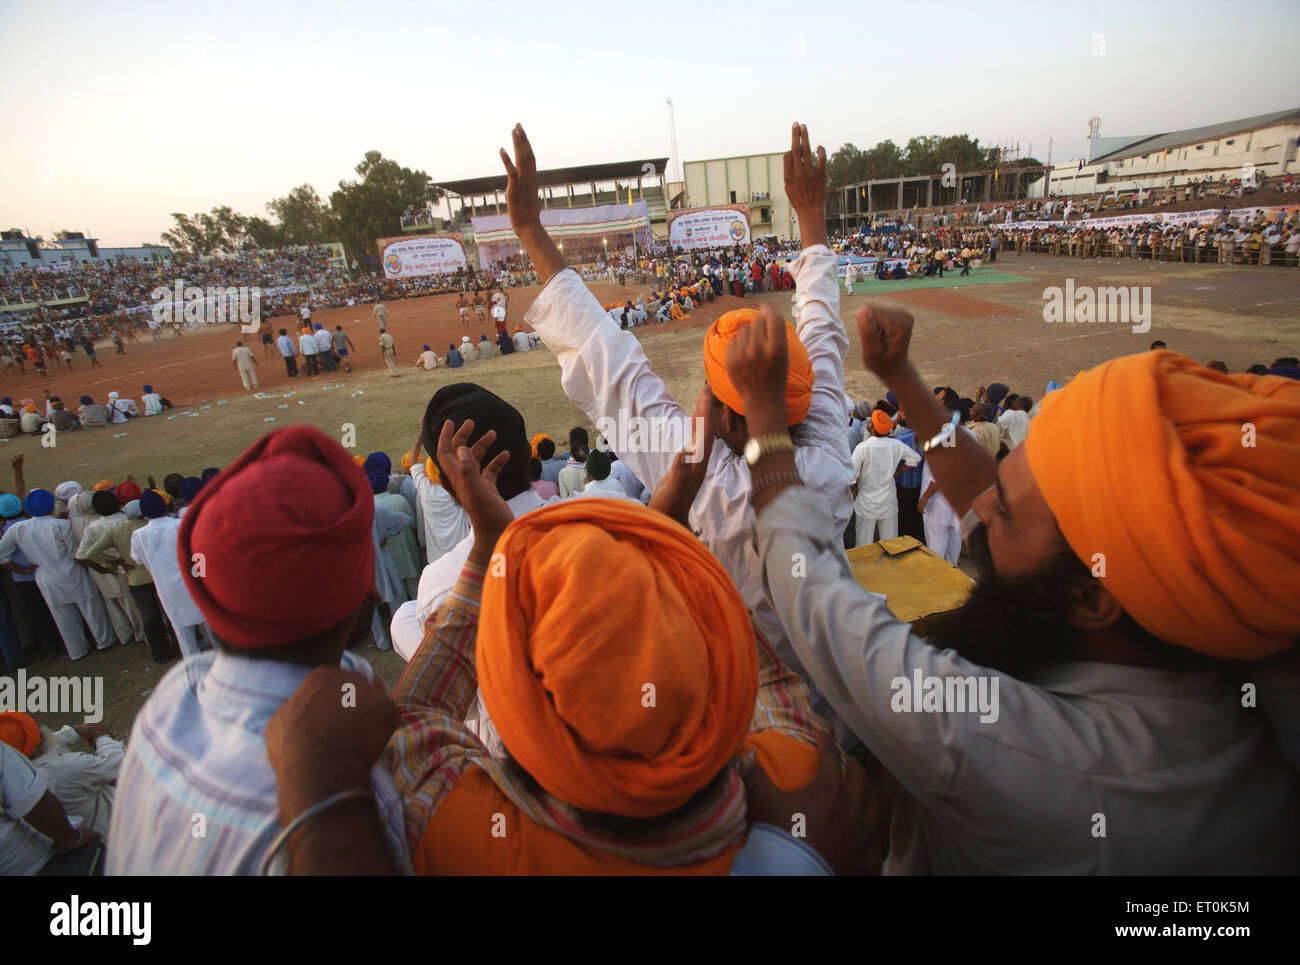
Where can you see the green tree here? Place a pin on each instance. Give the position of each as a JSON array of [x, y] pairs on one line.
[[372, 207], [303, 217], [884, 160], [845, 166]]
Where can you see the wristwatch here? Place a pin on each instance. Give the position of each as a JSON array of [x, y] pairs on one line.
[[760, 446]]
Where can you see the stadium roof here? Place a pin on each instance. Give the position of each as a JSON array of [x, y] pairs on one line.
[[582, 174], [1192, 135]]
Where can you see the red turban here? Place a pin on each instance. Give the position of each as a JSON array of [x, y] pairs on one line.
[[127, 491], [798, 382], [564, 662], [1184, 479], [286, 537]]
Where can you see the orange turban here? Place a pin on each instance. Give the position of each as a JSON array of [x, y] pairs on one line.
[[29, 408], [20, 732], [1148, 460], [536, 439], [102, 485], [564, 663], [359, 459], [881, 422], [798, 382], [407, 462], [431, 470]]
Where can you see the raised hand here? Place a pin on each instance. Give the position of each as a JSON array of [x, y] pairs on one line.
[[475, 488], [805, 186], [521, 184], [886, 335], [757, 361]]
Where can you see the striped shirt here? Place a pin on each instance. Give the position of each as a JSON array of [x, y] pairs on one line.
[[433, 748], [196, 793]]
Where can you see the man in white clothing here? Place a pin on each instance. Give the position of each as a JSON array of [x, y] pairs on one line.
[[154, 546], [521, 340], [244, 361], [64, 583], [876, 461], [1014, 423], [445, 522], [82, 782], [605, 372], [573, 476], [458, 402], [599, 482], [119, 409]]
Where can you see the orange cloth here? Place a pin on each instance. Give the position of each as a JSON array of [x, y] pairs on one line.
[[20, 732], [536, 439], [407, 462], [798, 382], [431, 470], [881, 422], [359, 459], [102, 485], [166, 497], [563, 661], [1143, 460], [29, 408]]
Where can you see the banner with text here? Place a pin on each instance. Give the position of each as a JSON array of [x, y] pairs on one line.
[[415, 256], [716, 227]]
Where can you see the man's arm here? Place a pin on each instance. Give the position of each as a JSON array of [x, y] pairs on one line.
[[320, 748], [20, 485], [604, 370]]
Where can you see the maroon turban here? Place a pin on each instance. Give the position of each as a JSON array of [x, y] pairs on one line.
[[285, 534]]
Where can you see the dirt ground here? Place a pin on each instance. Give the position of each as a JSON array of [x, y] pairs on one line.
[[1239, 314]]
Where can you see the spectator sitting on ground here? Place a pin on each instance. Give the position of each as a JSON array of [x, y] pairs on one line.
[[153, 402], [93, 415]]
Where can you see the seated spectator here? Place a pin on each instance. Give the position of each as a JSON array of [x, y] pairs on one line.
[[153, 402], [428, 359], [31, 421], [486, 349], [453, 360], [82, 782], [61, 418], [33, 824], [93, 415], [547, 490], [119, 409]]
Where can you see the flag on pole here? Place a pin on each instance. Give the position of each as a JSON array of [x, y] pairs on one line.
[[629, 196]]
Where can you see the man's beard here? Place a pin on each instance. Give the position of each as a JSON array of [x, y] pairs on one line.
[[1015, 626]]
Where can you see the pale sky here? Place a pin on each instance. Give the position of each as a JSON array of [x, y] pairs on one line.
[[116, 114]]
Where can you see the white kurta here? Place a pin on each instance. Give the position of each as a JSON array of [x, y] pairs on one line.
[[445, 521], [1015, 426], [154, 546], [401, 545], [48, 543], [82, 782], [437, 580], [874, 462], [605, 372]]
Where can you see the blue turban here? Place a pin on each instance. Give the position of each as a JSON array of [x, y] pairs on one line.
[[996, 392], [451, 348], [39, 502], [190, 487], [377, 460], [10, 506], [152, 505], [426, 348], [378, 480], [318, 325], [1051, 387], [148, 390], [6, 401], [889, 397], [209, 473], [87, 400], [482, 338]]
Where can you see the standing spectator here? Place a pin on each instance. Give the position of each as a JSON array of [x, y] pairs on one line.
[[285, 344]]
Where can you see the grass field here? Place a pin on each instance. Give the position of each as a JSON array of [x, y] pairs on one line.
[[1241, 315]]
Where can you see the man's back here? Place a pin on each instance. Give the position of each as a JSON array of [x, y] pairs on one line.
[[197, 761]]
